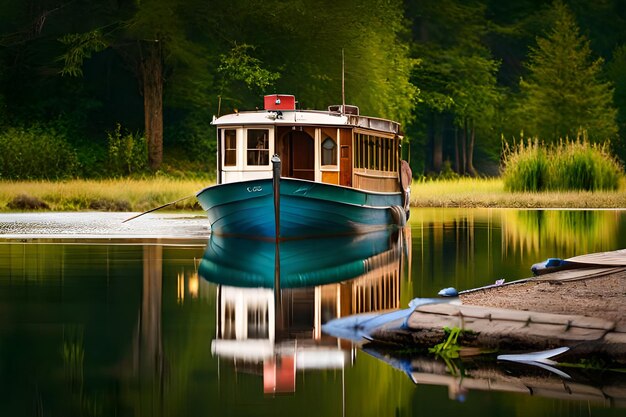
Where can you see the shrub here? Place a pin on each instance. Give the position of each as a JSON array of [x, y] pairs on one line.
[[569, 165], [35, 153], [525, 167], [128, 152], [27, 202]]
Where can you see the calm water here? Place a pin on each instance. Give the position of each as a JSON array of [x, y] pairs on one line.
[[154, 326]]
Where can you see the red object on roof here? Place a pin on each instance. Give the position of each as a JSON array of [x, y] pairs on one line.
[[279, 102]]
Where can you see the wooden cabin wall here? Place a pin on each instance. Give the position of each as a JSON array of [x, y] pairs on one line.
[[372, 180], [282, 149], [345, 157], [330, 177]]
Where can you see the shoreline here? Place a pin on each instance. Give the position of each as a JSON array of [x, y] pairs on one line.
[[584, 310], [137, 195]]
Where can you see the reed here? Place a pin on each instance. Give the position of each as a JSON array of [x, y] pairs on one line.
[[144, 194], [491, 192], [107, 195], [526, 167], [568, 165]]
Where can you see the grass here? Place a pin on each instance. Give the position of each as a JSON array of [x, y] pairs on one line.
[[107, 195], [144, 194], [567, 165], [491, 192]]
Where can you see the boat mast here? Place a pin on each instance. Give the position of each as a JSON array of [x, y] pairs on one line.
[[343, 83]]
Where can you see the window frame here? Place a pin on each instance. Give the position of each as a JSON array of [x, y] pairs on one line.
[[270, 149], [225, 149], [332, 153]]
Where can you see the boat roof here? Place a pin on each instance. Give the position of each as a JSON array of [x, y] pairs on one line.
[[307, 118]]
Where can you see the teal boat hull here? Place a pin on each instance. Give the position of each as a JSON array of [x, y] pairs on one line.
[[307, 209]]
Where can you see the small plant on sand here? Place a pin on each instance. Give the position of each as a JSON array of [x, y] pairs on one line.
[[448, 349]]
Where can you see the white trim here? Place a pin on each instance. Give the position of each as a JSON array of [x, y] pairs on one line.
[[244, 148], [222, 138], [316, 154]]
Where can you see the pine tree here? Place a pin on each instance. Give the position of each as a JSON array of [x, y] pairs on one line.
[[564, 93]]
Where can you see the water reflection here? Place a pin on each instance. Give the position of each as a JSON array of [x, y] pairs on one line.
[[568, 231], [276, 332], [467, 376], [468, 248], [151, 328]]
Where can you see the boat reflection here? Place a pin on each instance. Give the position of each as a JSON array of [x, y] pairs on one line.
[[277, 333]]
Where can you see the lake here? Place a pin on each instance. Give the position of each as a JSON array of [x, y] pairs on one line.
[[155, 317]]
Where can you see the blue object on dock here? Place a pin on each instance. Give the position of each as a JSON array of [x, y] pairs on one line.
[[448, 292], [550, 265]]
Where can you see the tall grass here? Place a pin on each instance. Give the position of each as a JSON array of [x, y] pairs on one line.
[[108, 195], [568, 165], [490, 192]]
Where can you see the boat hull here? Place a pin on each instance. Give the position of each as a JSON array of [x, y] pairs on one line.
[[307, 209]]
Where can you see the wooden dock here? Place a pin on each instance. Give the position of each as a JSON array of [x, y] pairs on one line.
[[509, 329]]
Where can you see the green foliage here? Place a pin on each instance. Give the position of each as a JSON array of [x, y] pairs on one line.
[[447, 173], [238, 65], [35, 153], [449, 348], [128, 152], [80, 47], [568, 165], [459, 95], [616, 72], [584, 166], [564, 92], [459, 59], [303, 40], [525, 167]]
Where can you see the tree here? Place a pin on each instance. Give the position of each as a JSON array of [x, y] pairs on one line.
[[456, 78], [475, 95], [616, 71], [564, 92], [151, 36], [300, 49], [303, 41]]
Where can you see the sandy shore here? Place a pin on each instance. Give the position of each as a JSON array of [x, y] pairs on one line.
[[603, 297]]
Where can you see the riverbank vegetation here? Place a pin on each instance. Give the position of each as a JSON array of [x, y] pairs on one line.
[[99, 195], [127, 194], [567, 165], [491, 192], [118, 93]]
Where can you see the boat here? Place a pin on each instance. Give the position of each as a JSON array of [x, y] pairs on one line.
[[286, 173]]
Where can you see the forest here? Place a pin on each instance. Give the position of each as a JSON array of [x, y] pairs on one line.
[[101, 88]]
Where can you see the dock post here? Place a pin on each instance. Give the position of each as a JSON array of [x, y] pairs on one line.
[[276, 187], [277, 290]]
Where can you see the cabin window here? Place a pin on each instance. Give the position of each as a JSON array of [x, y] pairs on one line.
[[329, 152], [258, 147], [230, 147], [376, 153]]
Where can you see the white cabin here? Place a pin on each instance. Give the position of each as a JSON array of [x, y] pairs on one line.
[[337, 146]]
